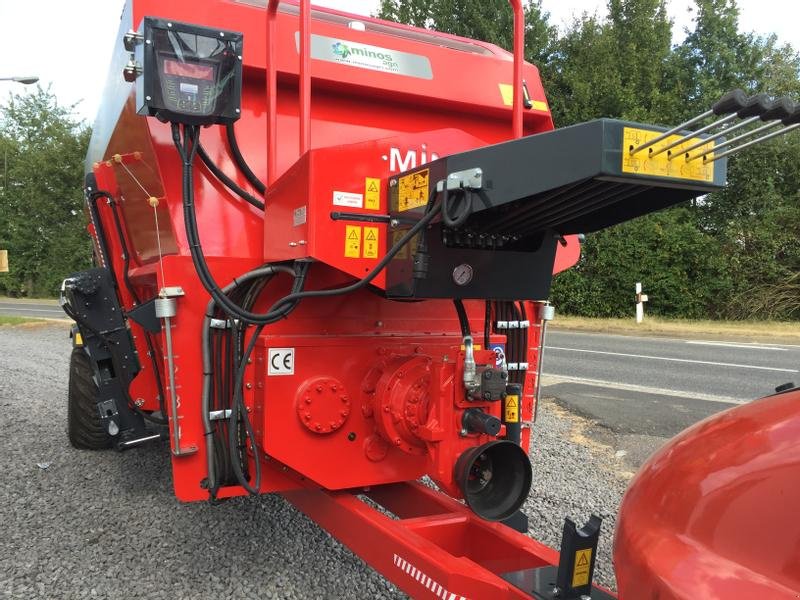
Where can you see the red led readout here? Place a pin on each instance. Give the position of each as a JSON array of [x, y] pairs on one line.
[[195, 71]]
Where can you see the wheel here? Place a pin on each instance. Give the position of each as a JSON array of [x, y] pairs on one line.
[[84, 427]]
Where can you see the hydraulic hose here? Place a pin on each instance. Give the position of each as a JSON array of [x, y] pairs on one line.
[[241, 162], [229, 183]]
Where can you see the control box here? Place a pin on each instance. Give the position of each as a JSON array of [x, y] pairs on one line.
[[190, 74]]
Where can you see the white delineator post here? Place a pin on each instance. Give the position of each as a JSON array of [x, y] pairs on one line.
[[640, 300]]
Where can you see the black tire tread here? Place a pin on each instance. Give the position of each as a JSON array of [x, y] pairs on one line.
[[84, 427]]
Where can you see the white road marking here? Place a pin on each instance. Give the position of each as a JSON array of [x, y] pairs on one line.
[[650, 338], [555, 379], [681, 360], [45, 310], [734, 345]]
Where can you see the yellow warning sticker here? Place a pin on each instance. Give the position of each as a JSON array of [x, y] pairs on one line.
[[372, 193], [352, 241], [371, 239], [580, 574], [507, 93], [512, 409], [3, 261], [671, 163], [413, 190]]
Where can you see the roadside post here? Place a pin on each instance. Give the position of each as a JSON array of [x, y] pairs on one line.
[[640, 300], [3, 261]]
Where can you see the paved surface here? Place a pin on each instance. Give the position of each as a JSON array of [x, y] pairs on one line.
[[79, 524], [638, 392], [42, 309]]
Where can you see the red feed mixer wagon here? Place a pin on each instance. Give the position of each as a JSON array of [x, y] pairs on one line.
[[324, 245]]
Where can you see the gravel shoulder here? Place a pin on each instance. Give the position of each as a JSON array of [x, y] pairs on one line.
[[78, 524]]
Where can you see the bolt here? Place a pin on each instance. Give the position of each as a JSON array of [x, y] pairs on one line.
[[249, 386], [308, 400], [249, 409], [394, 223], [396, 441], [463, 433], [386, 409], [392, 182], [334, 388], [345, 400], [319, 389], [308, 416], [378, 323], [351, 436], [317, 426], [139, 402], [344, 413]]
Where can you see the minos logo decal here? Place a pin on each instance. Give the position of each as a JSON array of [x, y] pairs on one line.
[[340, 49]]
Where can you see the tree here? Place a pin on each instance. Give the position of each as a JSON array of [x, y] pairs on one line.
[[41, 201]]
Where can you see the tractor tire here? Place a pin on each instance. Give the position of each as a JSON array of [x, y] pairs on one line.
[[84, 427]]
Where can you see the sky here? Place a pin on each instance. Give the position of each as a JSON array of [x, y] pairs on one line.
[[68, 44]]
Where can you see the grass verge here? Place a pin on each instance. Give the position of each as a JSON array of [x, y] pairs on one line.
[[751, 331], [17, 320]]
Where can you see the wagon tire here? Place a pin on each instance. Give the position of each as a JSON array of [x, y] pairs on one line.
[[84, 427]]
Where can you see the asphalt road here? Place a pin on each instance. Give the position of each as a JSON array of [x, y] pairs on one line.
[[41, 309], [641, 391]]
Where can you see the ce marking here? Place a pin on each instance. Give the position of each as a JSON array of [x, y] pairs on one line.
[[280, 361]]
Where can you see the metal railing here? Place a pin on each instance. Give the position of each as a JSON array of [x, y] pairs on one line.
[[305, 80]]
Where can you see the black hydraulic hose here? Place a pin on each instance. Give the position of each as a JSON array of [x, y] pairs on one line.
[[241, 162], [208, 370], [187, 150], [466, 210], [463, 321], [390, 254], [229, 183], [487, 323], [126, 261]]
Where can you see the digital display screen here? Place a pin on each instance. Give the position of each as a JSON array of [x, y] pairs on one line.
[[193, 70]]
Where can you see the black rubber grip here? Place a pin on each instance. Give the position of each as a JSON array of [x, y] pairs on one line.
[[754, 106], [781, 108], [794, 118], [733, 101]]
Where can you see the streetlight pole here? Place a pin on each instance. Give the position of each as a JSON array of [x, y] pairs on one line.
[[22, 80]]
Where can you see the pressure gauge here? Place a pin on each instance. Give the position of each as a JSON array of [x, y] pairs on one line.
[[462, 274]]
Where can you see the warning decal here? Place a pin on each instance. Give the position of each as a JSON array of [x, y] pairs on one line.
[[372, 193], [413, 190], [660, 165], [512, 409], [352, 241], [580, 574], [371, 238]]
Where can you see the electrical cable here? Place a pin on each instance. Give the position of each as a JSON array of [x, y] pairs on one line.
[[229, 183], [241, 162]]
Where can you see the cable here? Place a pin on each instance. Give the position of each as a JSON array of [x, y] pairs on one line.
[[126, 261], [457, 221], [462, 317], [390, 254], [229, 183], [241, 162], [187, 148]]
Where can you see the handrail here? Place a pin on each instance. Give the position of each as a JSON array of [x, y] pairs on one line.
[[272, 82], [305, 80], [519, 59]]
